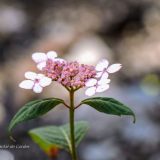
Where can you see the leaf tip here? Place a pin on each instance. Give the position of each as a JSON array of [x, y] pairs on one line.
[[134, 118]]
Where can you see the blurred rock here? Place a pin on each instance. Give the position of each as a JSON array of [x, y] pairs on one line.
[[102, 151], [143, 131], [6, 155], [12, 20], [88, 49]]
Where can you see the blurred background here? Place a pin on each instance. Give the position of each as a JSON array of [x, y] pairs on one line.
[[125, 31]]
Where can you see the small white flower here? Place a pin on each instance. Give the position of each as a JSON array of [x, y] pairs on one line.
[[41, 58], [35, 81], [101, 82], [103, 67], [97, 86]]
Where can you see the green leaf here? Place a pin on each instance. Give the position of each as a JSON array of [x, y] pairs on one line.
[[109, 106], [48, 148], [58, 136], [33, 110]]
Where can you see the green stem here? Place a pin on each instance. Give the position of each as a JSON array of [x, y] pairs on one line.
[[71, 113]]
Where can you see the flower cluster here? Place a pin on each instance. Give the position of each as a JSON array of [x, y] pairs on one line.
[[72, 75], [69, 74]]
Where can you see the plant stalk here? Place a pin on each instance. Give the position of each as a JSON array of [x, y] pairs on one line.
[[71, 113]]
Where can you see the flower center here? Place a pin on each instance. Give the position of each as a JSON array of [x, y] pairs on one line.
[[37, 80]]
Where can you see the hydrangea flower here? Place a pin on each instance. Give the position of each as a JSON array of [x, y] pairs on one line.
[[103, 68], [35, 81], [101, 82], [41, 58], [71, 75], [97, 85]]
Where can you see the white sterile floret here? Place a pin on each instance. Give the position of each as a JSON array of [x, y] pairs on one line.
[[35, 81], [101, 82], [41, 58], [97, 86], [103, 66]]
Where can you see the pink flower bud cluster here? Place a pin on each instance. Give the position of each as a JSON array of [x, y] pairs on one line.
[[69, 74]]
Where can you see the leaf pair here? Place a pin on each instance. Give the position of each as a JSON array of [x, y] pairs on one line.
[[38, 108]]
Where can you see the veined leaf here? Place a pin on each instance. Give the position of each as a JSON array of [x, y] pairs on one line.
[[109, 106], [58, 136], [33, 110]]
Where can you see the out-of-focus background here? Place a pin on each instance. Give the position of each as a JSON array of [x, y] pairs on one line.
[[124, 31]]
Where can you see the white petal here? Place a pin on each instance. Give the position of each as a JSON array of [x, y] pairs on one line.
[[51, 55], [37, 88], [102, 88], [41, 65], [59, 59], [91, 82], [45, 81], [104, 79], [40, 76], [98, 74], [90, 91], [105, 75], [30, 75], [39, 57], [103, 64], [26, 84], [114, 68]]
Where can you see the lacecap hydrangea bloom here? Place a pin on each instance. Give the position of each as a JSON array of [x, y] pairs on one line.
[[71, 75]]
